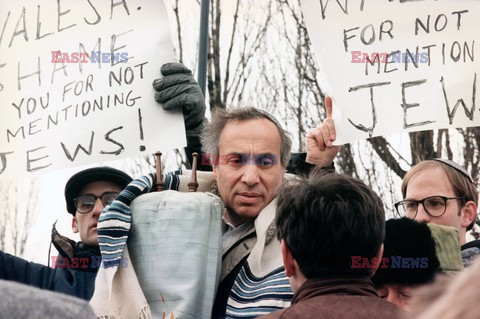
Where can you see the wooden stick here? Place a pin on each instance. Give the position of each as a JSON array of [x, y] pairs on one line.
[[193, 184], [158, 166]]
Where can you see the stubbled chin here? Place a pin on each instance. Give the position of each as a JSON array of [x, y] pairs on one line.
[[250, 211]]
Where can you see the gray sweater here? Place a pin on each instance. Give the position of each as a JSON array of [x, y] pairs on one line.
[[25, 302]]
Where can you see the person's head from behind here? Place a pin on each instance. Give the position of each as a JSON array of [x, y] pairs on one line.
[[441, 192], [410, 259], [453, 298], [87, 193], [250, 152], [323, 221]]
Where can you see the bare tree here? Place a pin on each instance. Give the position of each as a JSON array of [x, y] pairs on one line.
[[237, 53], [179, 31], [17, 213]]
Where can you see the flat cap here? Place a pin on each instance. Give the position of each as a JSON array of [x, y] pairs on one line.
[[90, 175]]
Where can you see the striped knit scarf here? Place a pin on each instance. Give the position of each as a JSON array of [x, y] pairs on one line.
[[114, 222]]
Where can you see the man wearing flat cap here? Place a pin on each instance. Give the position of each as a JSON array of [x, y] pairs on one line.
[[86, 194]]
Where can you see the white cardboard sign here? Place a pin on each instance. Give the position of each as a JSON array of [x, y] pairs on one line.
[[76, 83], [397, 65]]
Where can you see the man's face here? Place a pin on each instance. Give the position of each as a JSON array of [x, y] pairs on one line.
[[399, 295], [86, 224], [434, 182], [247, 188]]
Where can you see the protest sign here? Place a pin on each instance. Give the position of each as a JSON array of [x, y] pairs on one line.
[[396, 65], [76, 83]]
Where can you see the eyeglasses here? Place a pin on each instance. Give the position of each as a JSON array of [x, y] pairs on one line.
[[85, 203], [434, 206]]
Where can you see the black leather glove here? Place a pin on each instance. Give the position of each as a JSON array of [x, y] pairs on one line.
[[179, 90]]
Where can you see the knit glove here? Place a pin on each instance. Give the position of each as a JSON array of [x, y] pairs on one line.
[[179, 90]]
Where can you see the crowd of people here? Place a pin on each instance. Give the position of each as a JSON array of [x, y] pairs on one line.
[[299, 240]]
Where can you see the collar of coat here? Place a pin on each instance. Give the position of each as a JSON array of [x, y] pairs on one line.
[[360, 286]]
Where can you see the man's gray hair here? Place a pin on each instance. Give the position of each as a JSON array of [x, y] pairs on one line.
[[211, 133]]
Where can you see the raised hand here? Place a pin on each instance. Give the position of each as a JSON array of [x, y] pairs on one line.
[[178, 90], [320, 148]]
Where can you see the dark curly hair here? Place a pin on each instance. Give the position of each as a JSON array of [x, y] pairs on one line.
[[326, 220]]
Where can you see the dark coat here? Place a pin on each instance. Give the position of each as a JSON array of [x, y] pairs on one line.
[[346, 298], [79, 282]]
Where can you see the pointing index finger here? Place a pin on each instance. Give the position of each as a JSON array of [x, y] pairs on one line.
[[328, 106]]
